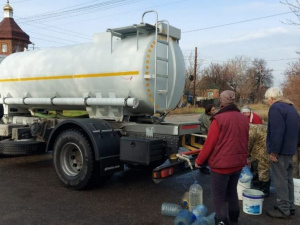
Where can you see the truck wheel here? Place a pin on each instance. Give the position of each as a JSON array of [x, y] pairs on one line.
[[74, 160], [16, 148]]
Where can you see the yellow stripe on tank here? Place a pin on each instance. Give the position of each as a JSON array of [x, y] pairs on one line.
[[78, 76]]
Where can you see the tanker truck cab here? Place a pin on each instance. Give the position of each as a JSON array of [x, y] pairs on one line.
[[127, 82]]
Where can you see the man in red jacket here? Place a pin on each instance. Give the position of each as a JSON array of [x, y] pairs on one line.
[[226, 151]]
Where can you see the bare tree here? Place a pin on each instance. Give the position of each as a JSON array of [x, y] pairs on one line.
[[295, 8], [249, 79], [189, 77], [238, 78], [292, 82], [263, 78], [215, 75]]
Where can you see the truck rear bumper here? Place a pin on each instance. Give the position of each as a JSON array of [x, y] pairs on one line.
[[174, 168]]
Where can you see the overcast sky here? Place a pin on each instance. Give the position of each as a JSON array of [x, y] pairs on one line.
[[220, 29]]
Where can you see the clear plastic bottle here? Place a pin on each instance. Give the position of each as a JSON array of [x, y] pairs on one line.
[[195, 195], [209, 220], [184, 217], [199, 211], [185, 200], [170, 209]]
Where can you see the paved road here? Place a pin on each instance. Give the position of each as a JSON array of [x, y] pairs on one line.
[[30, 194]]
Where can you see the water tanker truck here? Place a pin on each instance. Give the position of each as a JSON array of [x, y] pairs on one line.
[[126, 80]]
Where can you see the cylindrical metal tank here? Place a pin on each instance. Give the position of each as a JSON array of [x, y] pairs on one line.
[[106, 68]]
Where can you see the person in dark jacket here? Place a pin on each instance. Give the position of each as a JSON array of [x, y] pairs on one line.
[[282, 138], [204, 120], [226, 151], [205, 117]]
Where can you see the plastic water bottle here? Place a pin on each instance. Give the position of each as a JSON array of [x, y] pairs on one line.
[[195, 195], [199, 211], [210, 220], [170, 209], [185, 200], [184, 217]]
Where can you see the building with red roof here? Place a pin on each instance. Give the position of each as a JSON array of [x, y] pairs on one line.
[[12, 37]]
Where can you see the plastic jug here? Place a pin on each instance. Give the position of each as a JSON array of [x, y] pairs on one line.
[[210, 220], [184, 217], [170, 209], [199, 211], [185, 200], [195, 195]]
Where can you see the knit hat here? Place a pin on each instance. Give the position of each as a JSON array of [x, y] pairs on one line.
[[227, 98], [245, 108]]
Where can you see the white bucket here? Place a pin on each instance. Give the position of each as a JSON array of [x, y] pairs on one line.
[[252, 201], [297, 191], [240, 187]]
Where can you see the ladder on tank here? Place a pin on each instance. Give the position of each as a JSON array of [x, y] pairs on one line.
[[145, 28], [165, 60]]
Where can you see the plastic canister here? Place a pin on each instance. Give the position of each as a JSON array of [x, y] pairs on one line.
[[170, 209], [184, 217], [252, 201], [195, 195], [209, 220], [199, 211], [185, 200]]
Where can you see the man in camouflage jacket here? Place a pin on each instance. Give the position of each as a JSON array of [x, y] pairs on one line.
[[258, 153]]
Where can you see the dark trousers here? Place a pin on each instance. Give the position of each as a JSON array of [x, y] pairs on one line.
[[283, 182], [224, 193]]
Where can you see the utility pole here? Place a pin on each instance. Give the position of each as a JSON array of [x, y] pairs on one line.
[[195, 76]]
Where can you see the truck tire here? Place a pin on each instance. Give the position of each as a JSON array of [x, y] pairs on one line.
[[74, 160], [17, 148]]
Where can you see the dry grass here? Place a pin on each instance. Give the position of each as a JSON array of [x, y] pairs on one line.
[[187, 110], [260, 109]]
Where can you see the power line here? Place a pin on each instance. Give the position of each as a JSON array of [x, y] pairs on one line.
[[55, 37], [83, 8], [238, 22], [55, 11], [50, 41], [58, 30], [67, 13], [224, 61], [29, 20]]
